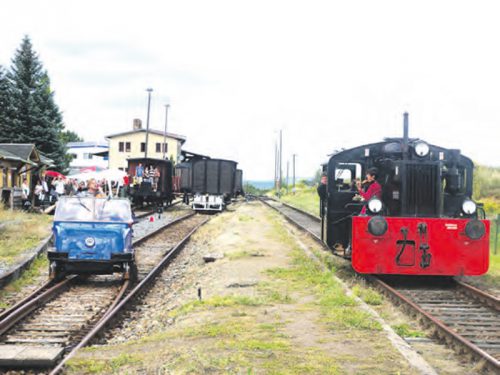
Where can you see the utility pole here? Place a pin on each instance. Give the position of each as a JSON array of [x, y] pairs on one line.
[[280, 162], [276, 165], [149, 90], [293, 178], [165, 136], [287, 168]]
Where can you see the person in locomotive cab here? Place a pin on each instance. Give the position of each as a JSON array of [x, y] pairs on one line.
[[369, 188], [322, 186]]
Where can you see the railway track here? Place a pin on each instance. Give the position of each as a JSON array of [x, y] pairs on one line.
[[48, 326], [466, 318], [142, 213], [304, 220]]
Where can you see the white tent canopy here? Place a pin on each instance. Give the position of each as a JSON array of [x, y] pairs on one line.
[[111, 176]]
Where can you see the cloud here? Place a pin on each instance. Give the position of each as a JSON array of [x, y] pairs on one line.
[[331, 74]]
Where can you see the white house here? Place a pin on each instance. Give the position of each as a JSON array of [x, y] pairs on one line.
[[92, 155]]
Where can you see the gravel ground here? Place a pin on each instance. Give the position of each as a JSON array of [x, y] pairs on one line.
[[171, 282], [145, 226]]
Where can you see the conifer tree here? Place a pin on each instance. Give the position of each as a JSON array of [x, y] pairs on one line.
[[5, 108], [36, 117]]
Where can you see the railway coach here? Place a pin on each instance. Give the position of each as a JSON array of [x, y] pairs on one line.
[[422, 221], [211, 183]]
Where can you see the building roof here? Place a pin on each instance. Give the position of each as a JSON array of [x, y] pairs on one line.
[[86, 144], [46, 161], [22, 150], [6, 155], [181, 138], [103, 153]]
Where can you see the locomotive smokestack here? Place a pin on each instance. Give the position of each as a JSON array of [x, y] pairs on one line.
[[405, 135]]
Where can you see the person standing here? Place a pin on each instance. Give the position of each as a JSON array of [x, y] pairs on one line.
[[370, 188], [323, 193], [139, 173], [156, 178], [38, 192], [322, 187], [59, 186]]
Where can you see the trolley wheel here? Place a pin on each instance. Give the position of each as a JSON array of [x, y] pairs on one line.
[[56, 272], [130, 271]]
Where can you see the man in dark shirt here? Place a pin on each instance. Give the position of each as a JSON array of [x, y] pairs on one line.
[[322, 187]]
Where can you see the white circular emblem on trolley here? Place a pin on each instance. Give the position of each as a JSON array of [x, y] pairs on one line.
[[90, 241]]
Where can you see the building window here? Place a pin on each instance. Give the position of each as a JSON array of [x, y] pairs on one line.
[[121, 146], [143, 147], [127, 147], [158, 147], [165, 147]]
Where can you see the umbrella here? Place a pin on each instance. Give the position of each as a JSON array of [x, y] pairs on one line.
[[54, 174]]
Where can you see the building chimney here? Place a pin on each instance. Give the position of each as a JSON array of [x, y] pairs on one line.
[[137, 124]]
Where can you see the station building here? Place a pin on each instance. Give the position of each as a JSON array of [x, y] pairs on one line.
[[19, 161], [87, 156], [132, 144]]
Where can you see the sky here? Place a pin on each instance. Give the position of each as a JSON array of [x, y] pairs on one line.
[[330, 74]]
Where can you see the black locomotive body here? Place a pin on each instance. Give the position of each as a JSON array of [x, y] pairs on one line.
[[423, 221]]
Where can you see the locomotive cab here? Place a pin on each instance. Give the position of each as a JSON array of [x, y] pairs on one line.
[[92, 236], [424, 222]]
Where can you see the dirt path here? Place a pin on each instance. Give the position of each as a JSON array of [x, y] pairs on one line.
[[266, 308]]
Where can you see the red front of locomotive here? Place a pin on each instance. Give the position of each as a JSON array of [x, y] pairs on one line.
[[420, 246]]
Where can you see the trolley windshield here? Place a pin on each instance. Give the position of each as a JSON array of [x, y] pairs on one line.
[[93, 209]]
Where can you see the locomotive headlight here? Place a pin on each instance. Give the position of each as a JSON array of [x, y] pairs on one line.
[[375, 205], [475, 229], [469, 207], [377, 226], [421, 149], [90, 241]]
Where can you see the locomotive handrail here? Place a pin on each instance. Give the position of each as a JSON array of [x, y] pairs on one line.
[[356, 204], [344, 218]]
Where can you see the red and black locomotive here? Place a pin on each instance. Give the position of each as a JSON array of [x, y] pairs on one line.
[[423, 222]]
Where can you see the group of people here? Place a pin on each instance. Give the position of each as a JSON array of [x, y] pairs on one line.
[[148, 174], [48, 190]]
